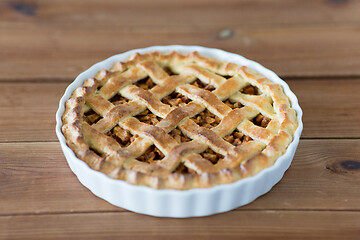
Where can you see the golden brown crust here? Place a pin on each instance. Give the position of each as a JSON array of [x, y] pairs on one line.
[[100, 151]]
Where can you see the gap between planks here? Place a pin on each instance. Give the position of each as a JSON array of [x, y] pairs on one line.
[[301, 138], [55, 80], [122, 210]]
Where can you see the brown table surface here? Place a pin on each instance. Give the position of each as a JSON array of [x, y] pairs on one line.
[[313, 45]]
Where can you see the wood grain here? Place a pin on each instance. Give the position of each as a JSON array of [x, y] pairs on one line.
[[232, 225], [314, 45], [181, 13], [35, 179], [331, 107], [45, 51], [30, 109]]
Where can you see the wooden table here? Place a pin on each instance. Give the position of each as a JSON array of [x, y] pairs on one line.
[[313, 45]]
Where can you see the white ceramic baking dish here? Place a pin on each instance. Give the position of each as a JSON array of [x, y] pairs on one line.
[[177, 203]]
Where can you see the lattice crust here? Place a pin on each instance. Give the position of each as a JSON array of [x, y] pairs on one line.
[[129, 123]]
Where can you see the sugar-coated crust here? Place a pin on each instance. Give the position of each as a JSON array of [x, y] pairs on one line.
[[120, 162]]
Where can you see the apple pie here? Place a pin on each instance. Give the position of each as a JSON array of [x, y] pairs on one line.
[[178, 121]]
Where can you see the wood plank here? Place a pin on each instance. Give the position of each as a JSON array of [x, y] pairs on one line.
[[181, 13], [30, 109], [63, 51], [249, 224], [44, 44], [331, 107], [35, 179]]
